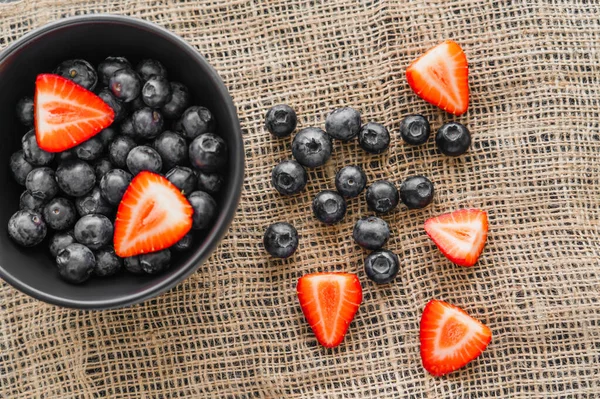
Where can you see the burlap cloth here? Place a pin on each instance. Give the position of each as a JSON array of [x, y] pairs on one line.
[[234, 329]]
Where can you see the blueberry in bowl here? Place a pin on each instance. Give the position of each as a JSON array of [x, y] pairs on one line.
[[62, 196]]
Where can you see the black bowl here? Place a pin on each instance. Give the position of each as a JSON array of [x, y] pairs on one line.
[[94, 37]]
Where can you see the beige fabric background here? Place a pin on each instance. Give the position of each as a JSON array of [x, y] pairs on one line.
[[234, 329]]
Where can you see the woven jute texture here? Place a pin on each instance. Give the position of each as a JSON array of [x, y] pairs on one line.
[[235, 329]]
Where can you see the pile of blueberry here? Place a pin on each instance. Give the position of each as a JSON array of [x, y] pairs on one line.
[[75, 193], [312, 147]]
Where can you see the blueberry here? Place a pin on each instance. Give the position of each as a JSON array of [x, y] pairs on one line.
[[148, 68], [415, 129], [41, 183], [75, 263], [107, 262], [311, 147], [281, 240], [107, 135], [197, 120], [143, 158], [147, 123], [155, 262], [132, 265], [125, 84], [382, 196], [183, 178], [329, 207], [66, 155], [184, 244], [93, 202], [281, 120], [59, 214], [101, 166], [210, 182], [205, 209], [33, 153], [25, 111], [28, 201], [126, 128], [374, 138], [19, 167], [60, 240], [371, 232], [136, 103], [79, 71], [156, 92], [27, 228], [172, 148], [381, 266], [75, 177], [117, 106], [343, 123], [109, 66], [93, 231], [208, 152], [453, 139], [90, 149], [180, 100], [416, 192], [289, 177], [113, 185], [119, 149], [350, 181]]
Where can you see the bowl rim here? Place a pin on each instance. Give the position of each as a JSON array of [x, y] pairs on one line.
[[230, 203]]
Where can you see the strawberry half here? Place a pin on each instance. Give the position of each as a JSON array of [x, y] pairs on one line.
[[152, 215], [450, 338], [67, 114], [329, 302], [441, 77], [460, 235]]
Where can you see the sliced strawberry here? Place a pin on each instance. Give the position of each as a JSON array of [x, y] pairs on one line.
[[440, 77], [67, 114], [329, 302], [152, 215], [460, 235], [450, 338]]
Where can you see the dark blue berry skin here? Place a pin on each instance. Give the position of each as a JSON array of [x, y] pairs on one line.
[[343, 123], [281, 120], [289, 177], [172, 148], [93, 231], [33, 153], [350, 181], [453, 139], [136, 103], [415, 129], [416, 192], [382, 266], [93, 202], [371, 232], [208, 152], [156, 92], [113, 185], [179, 102], [281, 240], [148, 68], [184, 244], [79, 71], [147, 123], [125, 84], [101, 166], [143, 158], [132, 265], [90, 150], [126, 128], [117, 106], [66, 155], [107, 262], [374, 138], [205, 209], [75, 263], [156, 262], [210, 182], [382, 196], [60, 240], [75, 177], [183, 178], [109, 66], [28, 201], [197, 120], [41, 183], [19, 167], [329, 207], [25, 111], [59, 214], [27, 228], [311, 147], [107, 135], [119, 149]]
